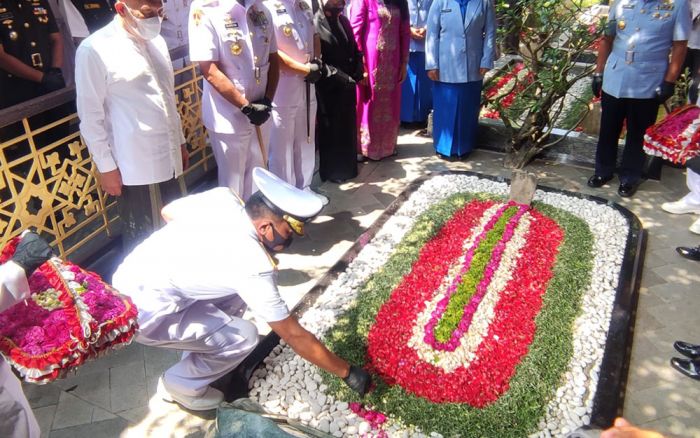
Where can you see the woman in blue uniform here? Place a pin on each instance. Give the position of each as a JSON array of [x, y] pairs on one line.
[[459, 50]]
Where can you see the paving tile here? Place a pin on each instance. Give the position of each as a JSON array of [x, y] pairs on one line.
[[91, 387], [101, 415], [44, 416], [71, 411], [100, 429], [128, 387], [157, 360], [41, 395]]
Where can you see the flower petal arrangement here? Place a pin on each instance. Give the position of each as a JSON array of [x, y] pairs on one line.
[[70, 317], [677, 137], [475, 315]]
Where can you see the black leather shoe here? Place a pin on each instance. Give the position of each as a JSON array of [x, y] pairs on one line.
[[690, 368], [687, 349], [689, 253], [627, 189], [597, 181]]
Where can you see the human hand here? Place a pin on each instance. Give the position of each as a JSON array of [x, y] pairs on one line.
[[365, 80], [257, 113], [111, 182], [402, 73], [624, 429], [317, 71], [597, 84], [358, 380], [434, 75], [483, 71], [418, 33], [31, 252], [185, 156], [664, 91], [53, 80]]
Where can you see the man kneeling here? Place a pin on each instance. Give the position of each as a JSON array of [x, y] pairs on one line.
[[193, 279]]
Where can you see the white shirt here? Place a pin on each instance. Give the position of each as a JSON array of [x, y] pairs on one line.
[[225, 32], [294, 32], [208, 251], [174, 27], [126, 104]]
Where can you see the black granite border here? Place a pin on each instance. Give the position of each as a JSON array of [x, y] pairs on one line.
[[612, 381]]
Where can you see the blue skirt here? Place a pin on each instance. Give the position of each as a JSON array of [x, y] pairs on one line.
[[456, 117], [416, 91]]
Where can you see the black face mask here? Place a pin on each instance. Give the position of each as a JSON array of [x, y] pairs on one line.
[[277, 240]]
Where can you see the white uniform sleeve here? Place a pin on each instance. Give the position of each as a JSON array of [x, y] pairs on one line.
[[204, 42], [273, 38], [75, 21], [13, 285], [91, 90], [260, 293]]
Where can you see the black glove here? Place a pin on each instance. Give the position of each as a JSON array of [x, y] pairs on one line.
[[53, 80], [265, 101], [31, 252], [257, 113], [317, 71], [358, 380], [664, 91], [597, 85]]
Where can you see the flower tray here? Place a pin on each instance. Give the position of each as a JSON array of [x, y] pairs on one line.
[[476, 316], [72, 315], [677, 137]]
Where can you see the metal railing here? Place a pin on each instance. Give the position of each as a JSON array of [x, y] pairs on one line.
[[48, 181]]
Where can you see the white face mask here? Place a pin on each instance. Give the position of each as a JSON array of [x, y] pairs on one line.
[[144, 28]]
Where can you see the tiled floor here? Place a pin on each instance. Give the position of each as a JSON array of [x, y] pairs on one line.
[[115, 395]]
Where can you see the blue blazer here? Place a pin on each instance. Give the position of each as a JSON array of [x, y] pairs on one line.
[[459, 48], [418, 13]]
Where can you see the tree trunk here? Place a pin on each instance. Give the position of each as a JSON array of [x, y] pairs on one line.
[[520, 154]]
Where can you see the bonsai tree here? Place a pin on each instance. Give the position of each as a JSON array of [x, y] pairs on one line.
[[553, 37]]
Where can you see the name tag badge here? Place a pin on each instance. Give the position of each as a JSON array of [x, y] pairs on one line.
[[90, 6], [281, 11], [629, 5], [231, 25], [444, 11]]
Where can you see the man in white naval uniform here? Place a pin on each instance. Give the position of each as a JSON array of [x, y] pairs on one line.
[[16, 417], [175, 22], [234, 44], [292, 145], [193, 279]]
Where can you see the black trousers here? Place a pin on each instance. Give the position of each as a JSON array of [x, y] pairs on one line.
[[639, 115], [139, 208]]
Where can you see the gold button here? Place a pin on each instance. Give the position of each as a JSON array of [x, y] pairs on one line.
[[33, 44], [643, 11], [26, 25]]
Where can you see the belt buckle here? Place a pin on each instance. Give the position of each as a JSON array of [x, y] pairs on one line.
[[629, 57], [36, 60]]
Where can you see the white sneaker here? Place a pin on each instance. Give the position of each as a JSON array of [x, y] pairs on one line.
[[680, 207], [211, 398], [324, 199], [695, 227]]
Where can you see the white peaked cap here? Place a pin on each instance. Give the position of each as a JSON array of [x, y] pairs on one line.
[[297, 203]]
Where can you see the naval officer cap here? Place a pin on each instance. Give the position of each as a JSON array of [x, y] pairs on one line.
[[295, 206]]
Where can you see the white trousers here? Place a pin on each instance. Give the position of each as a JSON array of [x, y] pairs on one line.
[[236, 155], [210, 349], [16, 417], [693, 181], [292, 148]]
